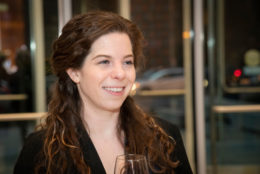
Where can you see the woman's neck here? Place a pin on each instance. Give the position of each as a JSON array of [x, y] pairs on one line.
[[103, 123]]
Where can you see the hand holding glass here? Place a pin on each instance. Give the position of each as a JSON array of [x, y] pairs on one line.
[[131, 164]]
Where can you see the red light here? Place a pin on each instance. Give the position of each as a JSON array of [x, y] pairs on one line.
[[238, 72]]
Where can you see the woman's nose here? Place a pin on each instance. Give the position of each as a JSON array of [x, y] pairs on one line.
[[118, 72]]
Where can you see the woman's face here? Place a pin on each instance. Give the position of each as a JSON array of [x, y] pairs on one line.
[[108, 73]]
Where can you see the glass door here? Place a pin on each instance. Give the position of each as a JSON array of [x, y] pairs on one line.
[[232, 96], [24, 51], [16, 84]]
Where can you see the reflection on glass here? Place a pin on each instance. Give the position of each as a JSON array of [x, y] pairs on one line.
[[242, 54], [165, 78], [131, 164], [15, 60]]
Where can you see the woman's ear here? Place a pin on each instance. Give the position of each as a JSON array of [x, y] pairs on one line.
[[73, 74]]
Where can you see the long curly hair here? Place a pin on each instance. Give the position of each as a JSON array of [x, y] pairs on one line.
[[61, 148]]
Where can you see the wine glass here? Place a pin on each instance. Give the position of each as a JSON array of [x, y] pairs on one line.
[[131, 164]]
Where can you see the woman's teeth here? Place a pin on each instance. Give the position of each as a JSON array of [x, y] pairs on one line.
[[114, 89]]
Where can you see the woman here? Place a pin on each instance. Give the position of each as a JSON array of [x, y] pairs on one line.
[[91, 117]]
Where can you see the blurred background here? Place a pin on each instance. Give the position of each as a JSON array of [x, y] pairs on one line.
[[202, 73]]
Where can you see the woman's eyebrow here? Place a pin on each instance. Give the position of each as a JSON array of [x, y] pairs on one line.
[[108, 56], [101, 55], [129, 55]]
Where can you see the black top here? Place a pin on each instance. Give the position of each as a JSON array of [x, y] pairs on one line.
[[33, 144]]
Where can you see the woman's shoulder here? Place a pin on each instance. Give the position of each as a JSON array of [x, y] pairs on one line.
[[179, 153], [27, 157], [170, 128], [34, 140]]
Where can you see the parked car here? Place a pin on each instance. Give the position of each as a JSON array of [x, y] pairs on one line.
[[169, 78]]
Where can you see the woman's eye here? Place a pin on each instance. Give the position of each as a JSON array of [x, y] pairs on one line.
[[129, 62], [104, 62]]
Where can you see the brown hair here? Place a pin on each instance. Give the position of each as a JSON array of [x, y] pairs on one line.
[[61, 137]]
